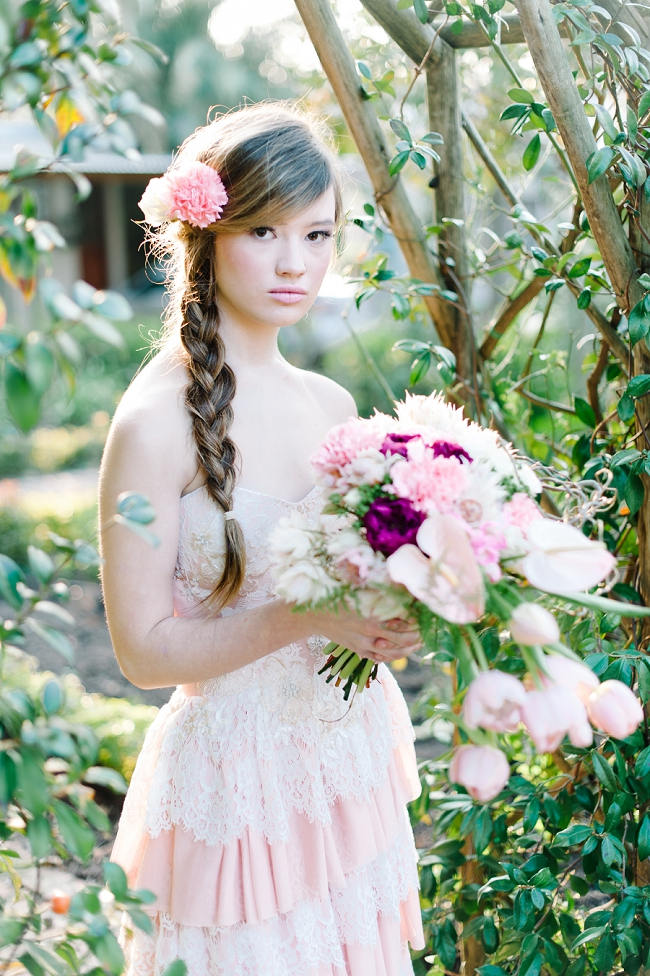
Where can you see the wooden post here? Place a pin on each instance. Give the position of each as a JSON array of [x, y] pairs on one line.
[[449, 195], [360, 116]]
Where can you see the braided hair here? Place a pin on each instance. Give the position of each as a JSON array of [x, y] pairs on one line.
[[274, 162]]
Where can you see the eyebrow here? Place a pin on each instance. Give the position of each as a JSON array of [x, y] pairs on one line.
[[319, 223]]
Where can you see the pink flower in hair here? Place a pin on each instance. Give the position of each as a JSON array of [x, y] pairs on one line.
[[197, 194]]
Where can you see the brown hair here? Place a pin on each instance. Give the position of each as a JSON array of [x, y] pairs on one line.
[[274, 161]]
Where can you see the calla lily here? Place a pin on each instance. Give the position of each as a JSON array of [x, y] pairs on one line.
[[562, 560], [450, 580], [574, 675]]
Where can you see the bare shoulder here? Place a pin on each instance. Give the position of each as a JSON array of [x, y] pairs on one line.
[[151, 431], [334, 399]]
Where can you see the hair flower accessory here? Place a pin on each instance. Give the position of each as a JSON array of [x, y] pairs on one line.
[[192, 193]]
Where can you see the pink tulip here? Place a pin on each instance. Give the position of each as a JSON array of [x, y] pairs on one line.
[[562, 560], [482, 770], [614, 709], [450, 580], [551, 714], [532, 624], [494, 701], [574, 675]]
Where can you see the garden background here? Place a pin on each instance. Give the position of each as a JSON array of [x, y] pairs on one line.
[[498, 248]]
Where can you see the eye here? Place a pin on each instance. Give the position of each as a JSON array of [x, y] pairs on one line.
[[319, 235], [262, 233]]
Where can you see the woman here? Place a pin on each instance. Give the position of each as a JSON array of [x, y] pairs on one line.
[[268, 818]]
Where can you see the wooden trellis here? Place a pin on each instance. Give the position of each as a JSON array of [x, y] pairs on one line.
[[432, 48]]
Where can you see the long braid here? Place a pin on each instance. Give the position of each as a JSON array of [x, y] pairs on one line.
[[208, 398]]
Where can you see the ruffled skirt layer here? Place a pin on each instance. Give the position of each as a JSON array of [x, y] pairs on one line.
[[297, 860]]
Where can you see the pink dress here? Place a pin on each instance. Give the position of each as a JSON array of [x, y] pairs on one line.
[[267, 816]]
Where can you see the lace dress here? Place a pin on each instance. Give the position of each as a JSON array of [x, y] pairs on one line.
[[267, 816]]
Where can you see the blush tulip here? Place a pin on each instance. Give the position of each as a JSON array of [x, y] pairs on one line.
[[574, 675], [614, 709], [494, 701], [551, 714], [532, 624], [482, 770]]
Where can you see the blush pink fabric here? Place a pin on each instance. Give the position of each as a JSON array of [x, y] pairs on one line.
[[268, 817]]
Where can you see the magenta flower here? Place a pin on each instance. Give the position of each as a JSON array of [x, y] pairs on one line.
[[450, 580], [482, 770], [494, 701], [390, 523], [448, 449], [396, 443], [614, 709], [197, 194]]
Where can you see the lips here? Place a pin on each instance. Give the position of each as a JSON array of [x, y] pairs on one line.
[[288, 296]]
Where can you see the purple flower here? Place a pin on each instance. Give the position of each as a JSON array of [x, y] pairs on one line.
[[448, 449], [396, 443], [390, 523]]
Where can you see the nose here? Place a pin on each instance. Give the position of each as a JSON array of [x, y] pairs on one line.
[[290, 260]]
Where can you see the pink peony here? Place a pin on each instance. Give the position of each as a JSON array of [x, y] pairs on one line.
[[494, 701], [488, 542], [450, 580], [521, 511], [431, 483], [197, 194], [532, 624], [482, 770], [574, 675], [551, 714], [615, 709], [344, 443]]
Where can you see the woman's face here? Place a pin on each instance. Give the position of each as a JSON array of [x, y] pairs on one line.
[[271, 275]]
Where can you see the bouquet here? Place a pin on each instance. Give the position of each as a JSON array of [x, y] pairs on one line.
[[431, 517]]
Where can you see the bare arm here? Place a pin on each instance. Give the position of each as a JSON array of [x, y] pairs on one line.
[[150, 451]]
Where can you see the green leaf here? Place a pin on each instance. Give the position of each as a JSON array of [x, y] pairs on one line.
[[531, 152], [608, 851], [606, 122], [39, 366], [115, 878], [633, 492], [584, 298], [575, 834], [604, 954], [644, 104], [52, 697], [598, 162], [364, 70], [176, 968], [579, 268], [642, 764], [421, 11], [643, 840], [108, 951], [400, 130], [638, 321], [639, 385], [39, 836], [604, 772], [584, 411], [135, 507], [105, 776], [58, 641], [40, 564], [23, 400], [625, 408], [11, 931], [10, 575], [75, 833], [398, 161], [521, 95], [589, 935]]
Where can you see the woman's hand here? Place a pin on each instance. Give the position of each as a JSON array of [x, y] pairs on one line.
[[378, 640]]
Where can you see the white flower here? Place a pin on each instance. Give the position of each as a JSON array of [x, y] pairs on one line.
[[156, 201], [532, 624], [304, 582], [290, 539], [367, 468], [352, 498], [560, 559], [381, 604]]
